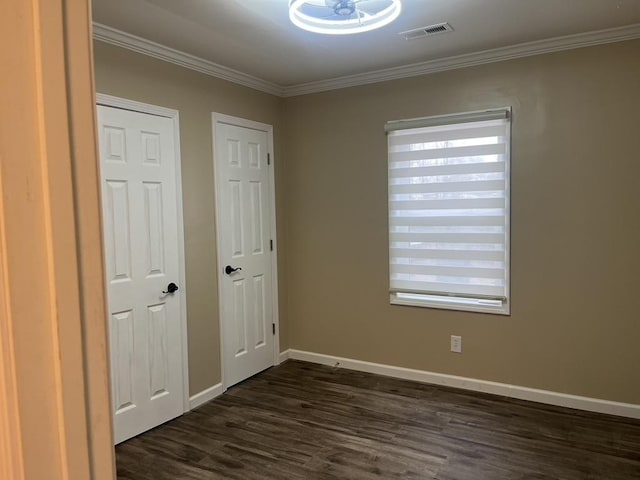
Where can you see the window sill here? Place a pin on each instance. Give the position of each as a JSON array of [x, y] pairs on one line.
[[450, 303]]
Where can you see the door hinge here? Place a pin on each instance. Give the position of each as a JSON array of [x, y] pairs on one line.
[[268, 159], [271, 245], [273, 326]]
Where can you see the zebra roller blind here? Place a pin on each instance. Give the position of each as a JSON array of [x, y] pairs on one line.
[[449, 207]]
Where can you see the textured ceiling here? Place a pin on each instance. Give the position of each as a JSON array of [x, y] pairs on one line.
[[257, 38]]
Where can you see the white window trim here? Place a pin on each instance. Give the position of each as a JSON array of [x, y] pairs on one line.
[[452, 302]]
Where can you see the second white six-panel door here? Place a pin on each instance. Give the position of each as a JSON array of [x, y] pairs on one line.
[[244, 236]]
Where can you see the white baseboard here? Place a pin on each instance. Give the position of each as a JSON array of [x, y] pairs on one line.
[[204, 396], [514, 391], [284, 356]]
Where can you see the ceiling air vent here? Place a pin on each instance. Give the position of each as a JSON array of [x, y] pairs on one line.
[[427, 31]]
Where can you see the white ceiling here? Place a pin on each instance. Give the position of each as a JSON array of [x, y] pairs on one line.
[[256, 37]]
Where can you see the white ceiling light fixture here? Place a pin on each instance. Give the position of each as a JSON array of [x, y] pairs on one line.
[[343, 17]]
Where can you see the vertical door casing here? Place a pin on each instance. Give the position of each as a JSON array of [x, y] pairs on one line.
[[54, 415]]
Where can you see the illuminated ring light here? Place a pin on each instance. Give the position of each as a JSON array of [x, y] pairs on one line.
[[341, 27]]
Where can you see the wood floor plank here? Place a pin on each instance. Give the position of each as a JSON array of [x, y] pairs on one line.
[[301, 421]]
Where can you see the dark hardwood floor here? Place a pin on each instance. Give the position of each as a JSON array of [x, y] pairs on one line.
[[305, 421]]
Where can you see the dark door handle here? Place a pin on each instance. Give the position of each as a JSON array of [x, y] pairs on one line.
[[172, 287], [229, 269]]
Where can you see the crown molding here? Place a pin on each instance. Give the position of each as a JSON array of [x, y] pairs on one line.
[[116, 37], [119, 38], [528, 49]]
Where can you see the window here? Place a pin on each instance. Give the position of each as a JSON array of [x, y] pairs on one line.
[[449, 211]]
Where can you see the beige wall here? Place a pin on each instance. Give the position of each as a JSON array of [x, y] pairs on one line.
[[137, 77], [575, 324], [575, 222]]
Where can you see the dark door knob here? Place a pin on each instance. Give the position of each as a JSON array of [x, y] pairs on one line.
[[229, 269], [172, 287]]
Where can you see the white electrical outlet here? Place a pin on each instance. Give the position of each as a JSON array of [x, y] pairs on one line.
[[456, 343]]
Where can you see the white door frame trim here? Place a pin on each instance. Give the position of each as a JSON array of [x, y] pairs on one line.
[[174, 116], [217, 118]]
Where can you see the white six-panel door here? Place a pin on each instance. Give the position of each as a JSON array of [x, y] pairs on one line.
[[138, 175], [244, 243]]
